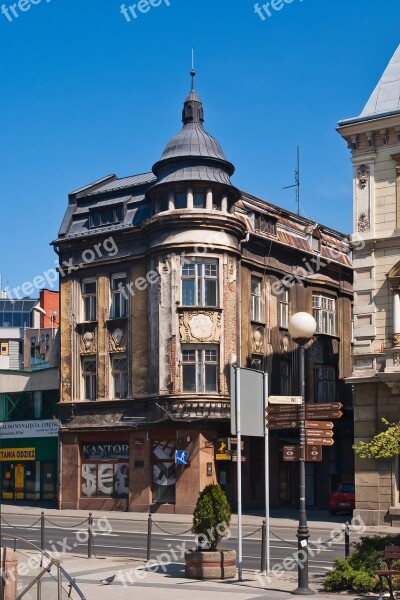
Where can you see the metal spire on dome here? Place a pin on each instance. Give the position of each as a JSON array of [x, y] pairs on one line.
[[193, 107]]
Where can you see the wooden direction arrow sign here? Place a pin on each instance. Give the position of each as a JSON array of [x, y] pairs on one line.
[[319, 433], [283, 409], [285, 400], [323, 406], [319, 441], [282, 424], [319, 425], [329, 414]]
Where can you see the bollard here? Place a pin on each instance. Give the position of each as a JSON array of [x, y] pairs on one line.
[[149, 529], [264, 547], [42, 541], [90, 536], [347, 540]]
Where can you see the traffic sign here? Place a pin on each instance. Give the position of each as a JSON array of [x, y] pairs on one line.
[[291, 453], [313, 453], [319, 425], [181, 457], [319, 441], [293, 400], [319, 433], [283, 424], [329, 414]]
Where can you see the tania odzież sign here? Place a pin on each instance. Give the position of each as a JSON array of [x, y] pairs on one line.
[[29, 429]]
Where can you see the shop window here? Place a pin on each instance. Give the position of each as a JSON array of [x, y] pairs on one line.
[[164, 476], [89, 299], [89, 379], [119, 366], [200, 283], [324, 384], [256, 299], [118, 296], [283, 309], [200, 369], [324, 313], [105, 470]]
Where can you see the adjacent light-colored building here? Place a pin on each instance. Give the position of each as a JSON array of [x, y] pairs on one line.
[[374, 141], [167, 279]]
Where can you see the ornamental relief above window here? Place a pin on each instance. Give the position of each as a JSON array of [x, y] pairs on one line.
[[203, 326]]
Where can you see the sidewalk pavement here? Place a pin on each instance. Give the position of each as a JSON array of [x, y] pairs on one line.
[[279, 518], [172, 584]]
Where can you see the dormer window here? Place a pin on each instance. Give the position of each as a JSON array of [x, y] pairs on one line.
[[106, 216], [264, 224], [316, 244]]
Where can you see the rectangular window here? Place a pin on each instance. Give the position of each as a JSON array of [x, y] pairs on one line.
[[255, 299], [89, 379], [198, 200], [4, 348], [324, 313], [200, 369], [284, 309], [284, 378], [106, 216], [119, 366], [180, 200], [324, 384], [89, 300], [200, 283], [118, 296]]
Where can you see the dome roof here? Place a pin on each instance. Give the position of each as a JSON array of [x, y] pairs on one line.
[[193, 154]]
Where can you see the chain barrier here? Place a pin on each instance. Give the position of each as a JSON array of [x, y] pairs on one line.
[[252, 533], [22, 528], [169, 533], [315, 544], [66, 526]]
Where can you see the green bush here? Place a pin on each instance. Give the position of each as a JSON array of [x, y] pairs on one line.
[[212, 516], [356, 573]]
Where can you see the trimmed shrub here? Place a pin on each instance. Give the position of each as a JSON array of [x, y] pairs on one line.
[[212, 516]]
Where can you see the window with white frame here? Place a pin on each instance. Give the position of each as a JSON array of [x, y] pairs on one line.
[[256, 299], [89, 378], [118, 296], [284, 309], [324, 384], [119, 369], [200, 283], [89, 299], [199, 369], [324, 313]]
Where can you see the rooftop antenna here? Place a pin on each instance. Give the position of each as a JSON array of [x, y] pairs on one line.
[[297, 181]]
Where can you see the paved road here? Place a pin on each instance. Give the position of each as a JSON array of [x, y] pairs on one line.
[[121, 538]]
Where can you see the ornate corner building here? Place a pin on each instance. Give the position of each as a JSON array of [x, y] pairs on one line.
[[167, 279], [374, 141]]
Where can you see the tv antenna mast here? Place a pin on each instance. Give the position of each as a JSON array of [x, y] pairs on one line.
[[297, 181]]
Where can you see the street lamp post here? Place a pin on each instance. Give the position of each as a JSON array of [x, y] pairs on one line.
[[302, 327]]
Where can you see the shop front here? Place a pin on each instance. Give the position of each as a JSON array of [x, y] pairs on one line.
[[28, 465]]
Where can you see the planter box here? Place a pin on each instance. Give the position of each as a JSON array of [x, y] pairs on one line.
[[205, 564]]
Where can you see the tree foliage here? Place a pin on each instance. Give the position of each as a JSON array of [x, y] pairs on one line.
[[212, 515], [383, 445]]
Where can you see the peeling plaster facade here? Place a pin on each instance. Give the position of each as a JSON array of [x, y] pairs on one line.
[[197, 261]]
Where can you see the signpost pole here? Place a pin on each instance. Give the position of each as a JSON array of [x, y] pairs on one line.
[[266, 459], [239, 474]]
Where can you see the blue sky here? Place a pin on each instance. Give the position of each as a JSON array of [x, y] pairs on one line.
[[85, 94]]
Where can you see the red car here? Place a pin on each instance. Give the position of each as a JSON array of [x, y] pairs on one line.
[[342, 499]]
